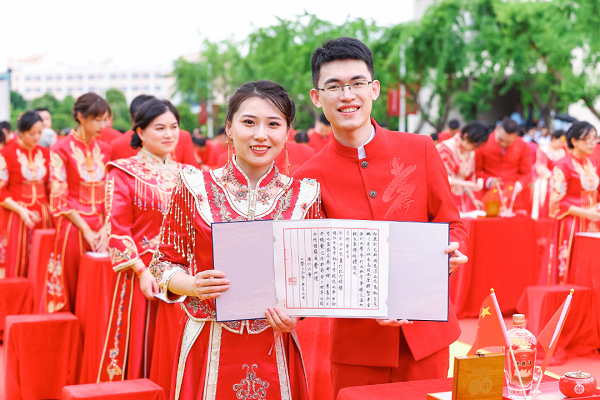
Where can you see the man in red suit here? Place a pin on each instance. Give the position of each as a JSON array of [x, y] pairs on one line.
[[453, 129], [505, 160], [321, 135], [120, 148], [369, 173]]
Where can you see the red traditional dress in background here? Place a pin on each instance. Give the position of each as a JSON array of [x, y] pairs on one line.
[[137, 196], [460, 166], [184, 151], [574, 183], [544, 164], [24, 177], [77, 184], [229, 360]]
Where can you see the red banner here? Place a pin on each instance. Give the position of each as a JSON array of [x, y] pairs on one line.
[[394, 101], [203, 114]]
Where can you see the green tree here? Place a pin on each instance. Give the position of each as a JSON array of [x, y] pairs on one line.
[[46, 101], [17, 101], [62, 117], [188, 120], [120, 110]]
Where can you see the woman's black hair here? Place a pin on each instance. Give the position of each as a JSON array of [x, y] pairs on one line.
[[557, 134], [27, 121], [578, 131], [90, 104], [148, 112], [271, 91], [475, 132]]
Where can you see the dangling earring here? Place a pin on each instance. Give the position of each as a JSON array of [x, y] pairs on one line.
[[287, 161], [229, 146]]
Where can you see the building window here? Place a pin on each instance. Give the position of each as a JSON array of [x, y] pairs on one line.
[[123, 89], [37, 78], [49, 78], [28, 90], [135, 76], [80, 77], [123, 76], [134, 88], [113, 76], [80, 89], [146, 75], [146, 88], [69, 77], [38, 89], [158, 75], [27, 78], [91, 77], [157, 88]]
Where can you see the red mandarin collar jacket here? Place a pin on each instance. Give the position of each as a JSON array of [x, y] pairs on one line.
[[401, 179], [512, 166]]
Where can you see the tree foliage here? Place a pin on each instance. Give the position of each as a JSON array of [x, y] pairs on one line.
[[118, 105]]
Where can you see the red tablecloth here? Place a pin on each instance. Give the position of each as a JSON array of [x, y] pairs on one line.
[[95, 290], [16, 297], [41, 354], [313, 334], [580, 334], [415, 390], [504, 254], [585, 266], [42, 245], [136, 389]]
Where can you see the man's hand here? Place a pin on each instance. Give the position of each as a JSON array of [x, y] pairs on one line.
[[279, 321], [456, 257], [495, 181], [393, 322]]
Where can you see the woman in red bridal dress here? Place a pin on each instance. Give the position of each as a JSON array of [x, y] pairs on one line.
[[573, 198], [458, 156], [233, 360], [138, 191], [547, 156], [24, 172], [77, 165]]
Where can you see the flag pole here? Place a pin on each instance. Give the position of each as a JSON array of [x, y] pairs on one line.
[[563, 315], [505, 333]]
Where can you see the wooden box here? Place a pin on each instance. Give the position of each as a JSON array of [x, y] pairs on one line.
[[475, 378]]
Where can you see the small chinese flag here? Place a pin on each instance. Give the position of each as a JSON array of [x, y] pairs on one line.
[[489, 328], [549, 336]]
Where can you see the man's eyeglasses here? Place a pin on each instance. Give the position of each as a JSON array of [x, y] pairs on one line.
[[355, 86]]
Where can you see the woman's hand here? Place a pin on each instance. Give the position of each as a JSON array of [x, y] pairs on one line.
[[279, 321], [393, 322], [102, 243], [28, 217], [477, 203], [148, 284], [209, 284], [593, 214], [91, 237]]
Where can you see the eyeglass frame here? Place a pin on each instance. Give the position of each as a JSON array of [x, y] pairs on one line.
[[324, 89]]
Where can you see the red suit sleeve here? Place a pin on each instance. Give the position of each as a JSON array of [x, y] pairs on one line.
[[189, 155], [524, 175], [4, 178], [119, 206], [479, 161], [59, 188], [176, 248], [440, 205]]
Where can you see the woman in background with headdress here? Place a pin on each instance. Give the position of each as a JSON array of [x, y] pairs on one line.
[[546, 156], [77, 165], [573, 198], [24, 174], [137, 196]]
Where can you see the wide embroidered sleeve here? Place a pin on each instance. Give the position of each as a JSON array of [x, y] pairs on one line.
[[119, 206], [176, 247], [541, 164], [59, 189], [4, 193], [558, 190], [440, 205], [447, 159]]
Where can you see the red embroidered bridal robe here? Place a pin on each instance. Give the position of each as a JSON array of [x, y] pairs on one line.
[[23, 178], [545, 159], [459, 166], [77, 184], [228, 360], [137, 196], [574, 183]]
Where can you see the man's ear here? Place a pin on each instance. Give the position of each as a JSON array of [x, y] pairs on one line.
[[376, 90], [315, 97]]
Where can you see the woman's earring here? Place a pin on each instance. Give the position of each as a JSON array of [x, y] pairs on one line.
[[229, 146], [287, 161]]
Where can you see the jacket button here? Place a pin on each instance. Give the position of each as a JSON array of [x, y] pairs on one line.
[[372, 193], [364, 164]]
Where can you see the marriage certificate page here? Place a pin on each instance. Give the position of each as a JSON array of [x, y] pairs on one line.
[[331, 268]]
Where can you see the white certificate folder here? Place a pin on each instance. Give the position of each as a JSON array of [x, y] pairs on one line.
[[333, 268]]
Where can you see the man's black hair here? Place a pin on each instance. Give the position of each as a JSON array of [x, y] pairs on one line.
[[301, 137], [323, 119], [199, 141], [220, 131], [136, 103], [476, 132], [435, 136], [509, 126], [5, 125], [344, 48], [41, 109], [453, 124]]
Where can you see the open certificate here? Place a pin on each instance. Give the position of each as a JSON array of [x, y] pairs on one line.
[[331, 267]]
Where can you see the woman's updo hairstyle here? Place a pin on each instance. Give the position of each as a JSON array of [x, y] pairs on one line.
[[271, 91], [27, 120], [148, 112], [475, 132], [578, 131], [90, 104]]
